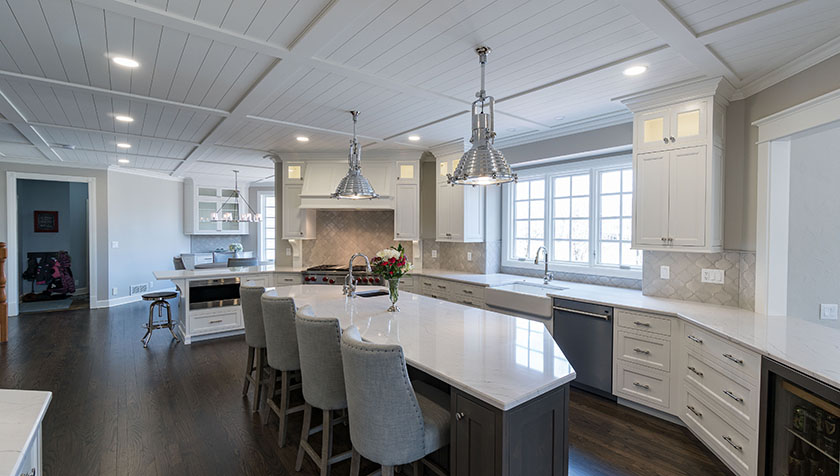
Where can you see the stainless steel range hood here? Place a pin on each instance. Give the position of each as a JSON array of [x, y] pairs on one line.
[[321, 177]]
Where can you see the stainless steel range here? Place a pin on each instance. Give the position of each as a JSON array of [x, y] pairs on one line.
[[334, 274]]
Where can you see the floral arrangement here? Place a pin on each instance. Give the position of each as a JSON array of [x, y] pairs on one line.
[[390, 263], [235, 247]]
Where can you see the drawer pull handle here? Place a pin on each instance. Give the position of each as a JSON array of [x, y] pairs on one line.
[[695, 339], [459, 416], [696, 372], [734, 359], [216, 321], [733, 396], [641, 385], [732, 443], [468, 303], [441, 287], [643, 324], [467, 291], [694, 411], [641, 351], [427, 284], [288, 280]]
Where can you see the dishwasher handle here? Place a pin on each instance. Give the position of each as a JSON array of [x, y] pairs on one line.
[[583, 313]]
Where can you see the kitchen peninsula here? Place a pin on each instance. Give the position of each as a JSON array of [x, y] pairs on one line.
[[507, 379]]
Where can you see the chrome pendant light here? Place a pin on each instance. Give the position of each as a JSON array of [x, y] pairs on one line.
[[483, 164], [354, 185], [225, 214]]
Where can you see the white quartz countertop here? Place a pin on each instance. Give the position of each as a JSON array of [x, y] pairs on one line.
[[21, 412], [223, 272], [502, 360]]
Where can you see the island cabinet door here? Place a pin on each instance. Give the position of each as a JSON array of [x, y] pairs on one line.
[[475, 437]]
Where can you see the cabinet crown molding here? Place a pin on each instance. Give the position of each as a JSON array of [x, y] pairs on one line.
[[719, 87]]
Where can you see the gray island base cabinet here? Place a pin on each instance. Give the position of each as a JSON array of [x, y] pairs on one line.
[[531, 439], [507, 379]]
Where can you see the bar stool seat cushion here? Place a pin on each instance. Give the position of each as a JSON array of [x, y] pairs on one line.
[[434, 404], [160, 295]]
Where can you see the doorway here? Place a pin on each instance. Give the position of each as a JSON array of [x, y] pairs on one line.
[[51, 234]]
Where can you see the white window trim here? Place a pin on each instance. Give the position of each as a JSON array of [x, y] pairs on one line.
[[261, 194], [548, 173]]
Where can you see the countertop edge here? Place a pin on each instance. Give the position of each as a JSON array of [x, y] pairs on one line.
[[36, 424]]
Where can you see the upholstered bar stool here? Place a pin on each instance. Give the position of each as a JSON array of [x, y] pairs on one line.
[[283, 358], [319, 343], [159, 302], [393, 421], [252, 314]]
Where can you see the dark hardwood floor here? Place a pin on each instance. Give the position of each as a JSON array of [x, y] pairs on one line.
[[120, 409]]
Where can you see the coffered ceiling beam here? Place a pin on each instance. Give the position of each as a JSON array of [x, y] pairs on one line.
[[110, 92], [668, 26], [114, 134], [332, 131], [734, 29], [16, 119]]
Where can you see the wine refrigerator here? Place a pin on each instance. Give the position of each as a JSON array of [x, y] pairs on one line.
[[800, 424]]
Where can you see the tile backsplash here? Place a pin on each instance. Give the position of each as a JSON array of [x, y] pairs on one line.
[[453, 257], [738, 289], [341, 233], [208, 243]]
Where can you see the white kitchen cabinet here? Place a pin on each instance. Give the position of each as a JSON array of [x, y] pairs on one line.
[[678, 140], [459, 211], [407, 201], [297, 223], [202, 201]]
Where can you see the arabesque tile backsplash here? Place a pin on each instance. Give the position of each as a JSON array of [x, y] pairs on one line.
[[342, 233]]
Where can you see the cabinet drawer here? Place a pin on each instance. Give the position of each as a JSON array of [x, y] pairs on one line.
[[728, 354], [643, 385], [740, 398], [467, 291], [737, 448], [441, 286], [218, 321], [407, 283], [263, 280], [644, 322], [426, 286], [288, 279], [644, 350]]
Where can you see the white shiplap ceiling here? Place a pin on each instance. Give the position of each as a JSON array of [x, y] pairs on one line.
[[223, 82]]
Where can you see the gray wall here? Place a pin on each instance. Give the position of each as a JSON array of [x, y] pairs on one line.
[[69, 199], [145, 215], [742, 151], [814, 246], [101, 211], [598, 139]]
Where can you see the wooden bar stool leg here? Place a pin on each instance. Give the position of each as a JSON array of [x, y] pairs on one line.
[[304, 434], [169, 322], [387, 470], [355, 463], [326, 442], [269, 396], [248, 370], [258, 381], [284, 407]]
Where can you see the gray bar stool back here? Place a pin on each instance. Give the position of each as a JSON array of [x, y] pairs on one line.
[[283, 358], [319, 342], [392, 420], [252, 315]]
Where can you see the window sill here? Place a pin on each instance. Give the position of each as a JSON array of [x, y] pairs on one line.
[[577, 269]]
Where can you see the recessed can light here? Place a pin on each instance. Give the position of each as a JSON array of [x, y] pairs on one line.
[[124, 161], [127, 62], [413, 138], [124, 118], [635, 70], [302, 139], [123, 145]]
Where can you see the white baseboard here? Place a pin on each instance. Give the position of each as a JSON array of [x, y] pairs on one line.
[[105, 303]]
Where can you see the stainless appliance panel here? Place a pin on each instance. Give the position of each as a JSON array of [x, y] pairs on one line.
[[584, 332]]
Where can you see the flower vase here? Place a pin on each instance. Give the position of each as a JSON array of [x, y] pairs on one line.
[[394, 293]]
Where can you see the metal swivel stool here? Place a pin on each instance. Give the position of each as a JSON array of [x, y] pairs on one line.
[[159, 302]]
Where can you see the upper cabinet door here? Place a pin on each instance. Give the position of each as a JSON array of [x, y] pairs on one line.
[[292, 214], [688, 124], [687, 214], [652, 130], [406, 212], [407, 173], [650, 199]]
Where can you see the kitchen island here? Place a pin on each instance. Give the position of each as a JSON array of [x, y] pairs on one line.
[[507, 379], [21, 414]]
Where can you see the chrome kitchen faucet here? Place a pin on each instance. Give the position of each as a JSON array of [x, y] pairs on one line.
[[349, 288], [547, 276]]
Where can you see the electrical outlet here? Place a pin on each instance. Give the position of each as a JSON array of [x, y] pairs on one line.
[[114, 291], [469, 255], [115, 244], [713, 276], [434, 253], [288, 251], [828, 312], [664, 272]]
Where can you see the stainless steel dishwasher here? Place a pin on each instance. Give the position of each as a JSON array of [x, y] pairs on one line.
[[584, 333]]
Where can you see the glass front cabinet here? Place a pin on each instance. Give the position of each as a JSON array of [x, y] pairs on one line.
[[202, 202]]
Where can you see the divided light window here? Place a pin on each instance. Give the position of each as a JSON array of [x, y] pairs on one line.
[[267, 227], [582, 215]]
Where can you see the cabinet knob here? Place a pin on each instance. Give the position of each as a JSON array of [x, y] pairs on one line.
[[665, 140], [663, 239], [673, 140], [459, 416]]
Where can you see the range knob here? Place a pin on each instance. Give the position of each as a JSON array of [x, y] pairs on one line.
[[378, 280], [332, 281], [324, 279]]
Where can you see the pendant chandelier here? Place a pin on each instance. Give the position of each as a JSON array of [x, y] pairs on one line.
[[234, 216], [483, 164], [354, 185]]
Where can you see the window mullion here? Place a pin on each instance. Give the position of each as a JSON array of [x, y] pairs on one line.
[[548, 223], [594, 217]]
